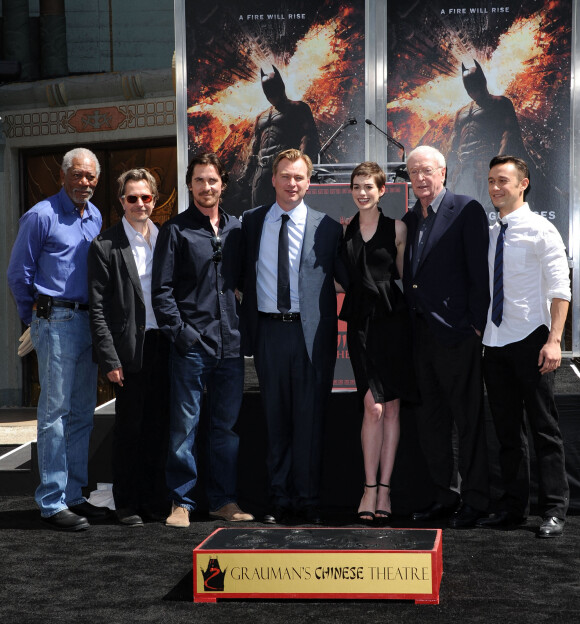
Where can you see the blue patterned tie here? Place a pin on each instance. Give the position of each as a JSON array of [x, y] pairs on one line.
[[497, 301], [283, 267]]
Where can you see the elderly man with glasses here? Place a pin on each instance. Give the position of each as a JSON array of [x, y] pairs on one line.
[[195, 272]]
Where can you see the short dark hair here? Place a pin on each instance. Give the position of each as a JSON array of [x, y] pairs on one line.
[[518, 163], [207, 158], [369, 168], [136, 175]]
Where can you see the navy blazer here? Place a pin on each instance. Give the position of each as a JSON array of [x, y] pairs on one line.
[[320, 265], [117, 307], [451, 284]]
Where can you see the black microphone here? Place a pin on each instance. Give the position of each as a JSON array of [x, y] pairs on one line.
[[389, 137], [352, 121]]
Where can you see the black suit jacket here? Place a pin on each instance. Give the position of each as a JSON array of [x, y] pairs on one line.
[[320, 264], [117, 307], [451, 284]]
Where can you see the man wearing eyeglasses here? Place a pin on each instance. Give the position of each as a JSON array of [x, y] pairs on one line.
[[131, 350], [195, 272], [445, 279]]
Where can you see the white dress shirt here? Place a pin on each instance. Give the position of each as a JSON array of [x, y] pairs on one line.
[[267, 275], [535, 271], [143, 254]]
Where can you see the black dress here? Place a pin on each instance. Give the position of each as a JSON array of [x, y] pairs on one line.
[[378, 325]]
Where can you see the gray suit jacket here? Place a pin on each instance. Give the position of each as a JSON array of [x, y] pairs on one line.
[[320, 264], [117, 307]]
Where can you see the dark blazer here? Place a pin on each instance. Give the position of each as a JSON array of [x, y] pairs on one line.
[[451, 284], [117, 306], [320, 264]]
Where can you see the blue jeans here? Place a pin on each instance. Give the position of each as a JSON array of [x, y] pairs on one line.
[[68, 395], [224, 382]]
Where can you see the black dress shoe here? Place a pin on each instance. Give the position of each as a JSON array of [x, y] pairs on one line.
[[279, 515], [312, 515], [465, 518], [435, 511], [551, 527], [90, 511], [66, 520], [129, 517], [501, 520], [153, 514]]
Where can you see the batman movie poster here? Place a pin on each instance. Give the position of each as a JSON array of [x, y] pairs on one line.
[[476, 79], [264, 76]]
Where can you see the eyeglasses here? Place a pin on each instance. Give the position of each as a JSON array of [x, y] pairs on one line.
[[216, 243], [133, 199], [427, 172]]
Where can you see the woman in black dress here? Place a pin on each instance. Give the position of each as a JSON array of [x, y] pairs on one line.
[[378, 334]]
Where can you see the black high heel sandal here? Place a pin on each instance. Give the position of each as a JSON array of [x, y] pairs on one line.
[[367, 517], [382, 517]]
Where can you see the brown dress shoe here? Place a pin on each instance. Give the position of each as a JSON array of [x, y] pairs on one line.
[[231, 513]]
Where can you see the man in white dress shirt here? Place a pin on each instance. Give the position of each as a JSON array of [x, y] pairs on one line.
[[131, 350], [530, 286]]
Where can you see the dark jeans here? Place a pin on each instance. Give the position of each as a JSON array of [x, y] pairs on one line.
[[514, 383], [224, 381]]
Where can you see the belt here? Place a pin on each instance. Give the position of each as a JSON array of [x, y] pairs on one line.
[[289, 317], [63, 303]]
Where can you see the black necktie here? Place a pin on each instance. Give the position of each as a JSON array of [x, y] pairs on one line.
[[283, 267], [497, 301]]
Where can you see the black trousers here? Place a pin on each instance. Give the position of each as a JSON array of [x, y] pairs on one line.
[[142, 429], [294, 400], [514, 385], [451, 388]]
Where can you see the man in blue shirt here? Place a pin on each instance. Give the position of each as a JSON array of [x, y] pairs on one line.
[[48, 278], [196, 267]]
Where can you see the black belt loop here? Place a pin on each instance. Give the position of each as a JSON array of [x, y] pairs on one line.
[[288, 317]]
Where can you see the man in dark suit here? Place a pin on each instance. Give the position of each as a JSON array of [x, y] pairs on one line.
[[291, 258], [445, 280], [131, 350]]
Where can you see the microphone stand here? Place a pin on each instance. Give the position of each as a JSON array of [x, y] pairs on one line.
[[348, 122], [389, 137]]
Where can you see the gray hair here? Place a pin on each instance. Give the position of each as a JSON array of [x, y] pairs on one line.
[[79, 152], [429, 152], [135, 175]]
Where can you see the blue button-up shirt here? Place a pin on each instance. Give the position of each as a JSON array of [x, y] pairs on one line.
[[267, 277], [193, 296], [49, 256]]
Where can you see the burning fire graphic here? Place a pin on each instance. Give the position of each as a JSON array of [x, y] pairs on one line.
[[529, 64], [246, 99], [325, 69]]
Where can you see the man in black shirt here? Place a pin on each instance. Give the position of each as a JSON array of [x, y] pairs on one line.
[[195, 271]]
